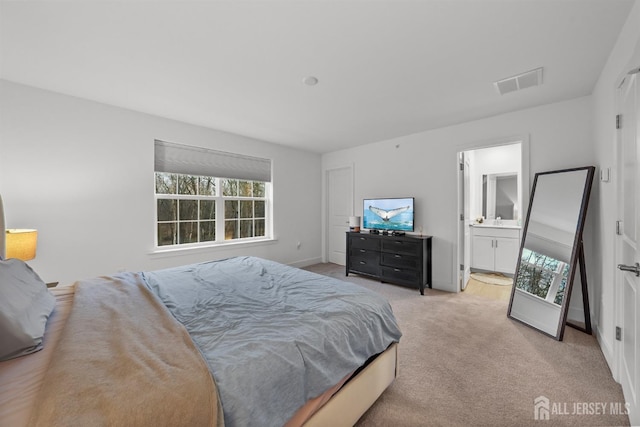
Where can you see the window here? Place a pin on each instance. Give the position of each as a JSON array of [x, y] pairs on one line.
[[244, 208], [196, 209]]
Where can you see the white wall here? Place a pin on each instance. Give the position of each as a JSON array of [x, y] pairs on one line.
[[82, 174], [424, 165], [625, 55]]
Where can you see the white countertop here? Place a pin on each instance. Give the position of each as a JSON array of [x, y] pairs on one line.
[[490, 224]]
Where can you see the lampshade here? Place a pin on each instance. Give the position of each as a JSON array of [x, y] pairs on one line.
[[21, 243], [354, 223]]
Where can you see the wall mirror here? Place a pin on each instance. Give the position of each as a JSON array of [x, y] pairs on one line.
[[500, 195], [551, 251]]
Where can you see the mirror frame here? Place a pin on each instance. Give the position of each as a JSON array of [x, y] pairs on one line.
[[576, 260]]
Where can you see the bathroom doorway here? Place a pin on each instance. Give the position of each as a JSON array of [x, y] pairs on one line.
[[493, 195]]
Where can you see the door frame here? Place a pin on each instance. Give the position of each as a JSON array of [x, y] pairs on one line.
[[524, 168], [464, 251], [325, 201]]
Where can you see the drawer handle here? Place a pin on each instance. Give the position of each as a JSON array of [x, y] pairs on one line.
[[397, 269], [362, 250], [397, 242], [362, 238], [397, 256], [362, 262]]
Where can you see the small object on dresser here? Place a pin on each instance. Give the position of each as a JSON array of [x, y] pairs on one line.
[[354, 223]]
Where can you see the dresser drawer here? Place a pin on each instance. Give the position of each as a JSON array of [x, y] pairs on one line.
[[369, 265], [400, 246], [400, 260], [400, 275], [365, 242], [365, 253]]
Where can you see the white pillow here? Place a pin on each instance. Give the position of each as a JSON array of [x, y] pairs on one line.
[[25, 306]]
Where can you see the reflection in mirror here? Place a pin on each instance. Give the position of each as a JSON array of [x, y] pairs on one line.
[[551, 245], [500, 195], [542, 275]]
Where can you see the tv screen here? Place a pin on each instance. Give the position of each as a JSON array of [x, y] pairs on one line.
[[388, 214]]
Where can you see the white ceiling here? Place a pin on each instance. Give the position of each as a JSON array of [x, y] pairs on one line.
[[385, 68]]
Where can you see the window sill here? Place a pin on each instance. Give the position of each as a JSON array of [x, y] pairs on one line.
[[190, 250]]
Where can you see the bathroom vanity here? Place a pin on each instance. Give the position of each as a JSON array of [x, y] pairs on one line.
[[495, 247]]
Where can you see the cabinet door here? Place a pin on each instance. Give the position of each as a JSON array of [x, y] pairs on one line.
[[482, 252], [506, 252]]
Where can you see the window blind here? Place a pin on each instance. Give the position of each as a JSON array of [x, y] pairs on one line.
[[185, 159]]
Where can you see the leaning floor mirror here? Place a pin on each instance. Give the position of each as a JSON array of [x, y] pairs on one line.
[[551, 252]]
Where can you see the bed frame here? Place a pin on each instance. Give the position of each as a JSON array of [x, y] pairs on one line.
[[353, 400]]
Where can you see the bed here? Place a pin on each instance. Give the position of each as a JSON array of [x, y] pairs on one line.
[[241, 341]]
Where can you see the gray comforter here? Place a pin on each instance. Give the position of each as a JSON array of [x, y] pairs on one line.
[[274, 336]]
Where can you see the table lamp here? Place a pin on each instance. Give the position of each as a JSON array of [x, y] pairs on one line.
[[21, 243], [354, 223]]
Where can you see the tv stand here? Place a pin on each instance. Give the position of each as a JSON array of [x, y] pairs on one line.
[[402, 260]]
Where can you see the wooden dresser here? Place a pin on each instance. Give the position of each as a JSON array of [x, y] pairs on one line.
[[402, 260]]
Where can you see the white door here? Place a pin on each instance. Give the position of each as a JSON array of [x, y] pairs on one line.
[[339, 209], [628, 253]]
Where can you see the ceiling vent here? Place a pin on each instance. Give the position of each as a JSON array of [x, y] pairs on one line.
[[521, 81]]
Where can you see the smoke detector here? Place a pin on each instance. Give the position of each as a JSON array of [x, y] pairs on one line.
[[310, 80], [521, 81]]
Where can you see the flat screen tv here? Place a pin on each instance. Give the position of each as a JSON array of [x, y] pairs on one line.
[[394, 214]]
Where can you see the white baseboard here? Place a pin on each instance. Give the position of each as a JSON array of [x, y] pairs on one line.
[[444, 286], [576, 314], [305, 262], [608, 352]]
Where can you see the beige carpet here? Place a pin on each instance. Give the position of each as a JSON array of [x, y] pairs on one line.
[[464, 363]]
